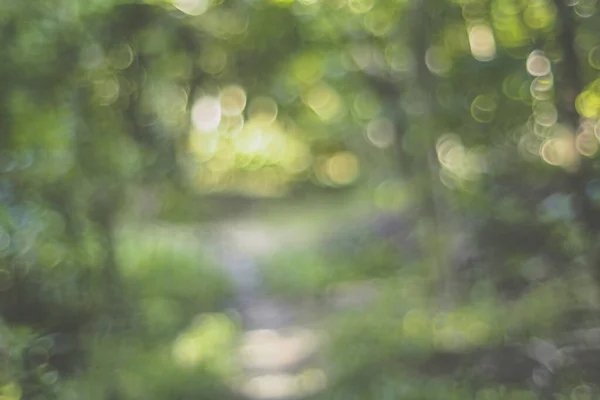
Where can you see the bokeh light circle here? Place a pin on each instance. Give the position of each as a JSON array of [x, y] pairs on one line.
[[206, 114], [538, 64], [263, 110], [233, 100]]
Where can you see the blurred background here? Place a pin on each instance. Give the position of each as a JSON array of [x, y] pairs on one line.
[[299, 199]]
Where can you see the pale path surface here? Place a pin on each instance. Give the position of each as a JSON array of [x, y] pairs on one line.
[[279, 342]]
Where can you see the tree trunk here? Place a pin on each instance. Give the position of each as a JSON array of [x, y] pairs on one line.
[[586, 212]]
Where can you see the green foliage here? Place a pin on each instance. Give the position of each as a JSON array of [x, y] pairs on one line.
[[169, 270], [131, 369], [172, 279], [301, 274], [404, 328], [541, 309], [29, 364], [298, 273]]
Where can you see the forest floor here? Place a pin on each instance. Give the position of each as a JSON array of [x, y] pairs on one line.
[[281, 345]]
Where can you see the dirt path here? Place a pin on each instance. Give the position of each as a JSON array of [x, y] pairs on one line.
[[278, 345]]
